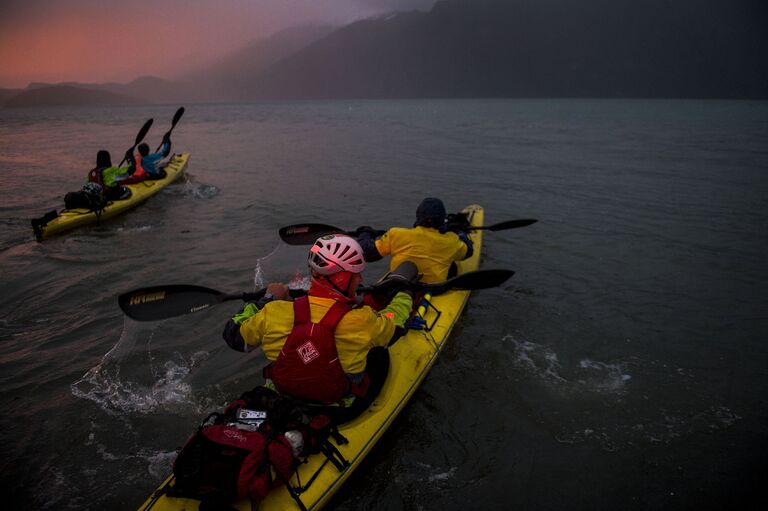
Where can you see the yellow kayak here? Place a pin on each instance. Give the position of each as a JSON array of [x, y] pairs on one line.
[[411, 357], [70, 219]]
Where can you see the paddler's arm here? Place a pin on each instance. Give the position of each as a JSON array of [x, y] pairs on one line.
[[166, 147], [398, 310], [131, 162], [457, 224], [464, 237], [232, 334], [366, 237]]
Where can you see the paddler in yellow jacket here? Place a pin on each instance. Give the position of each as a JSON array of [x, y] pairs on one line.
[[428, 243], [323, 347]]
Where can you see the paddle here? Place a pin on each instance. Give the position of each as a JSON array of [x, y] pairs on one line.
[[306, 234], [502, 226], [139, 137], [470, 281], [163, 302], [176, 118]]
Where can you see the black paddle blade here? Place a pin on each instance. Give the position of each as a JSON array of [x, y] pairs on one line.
[[143, 132], [163, 302], [306, 234], [177, 116], [471, 281], [139, 137], [511, 224]]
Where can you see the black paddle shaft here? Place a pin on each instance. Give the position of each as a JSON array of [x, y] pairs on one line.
[[470, 281], [307, 234], [163, 302], [139, 137]]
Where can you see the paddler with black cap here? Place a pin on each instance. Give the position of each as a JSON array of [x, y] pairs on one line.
[[429, 244]]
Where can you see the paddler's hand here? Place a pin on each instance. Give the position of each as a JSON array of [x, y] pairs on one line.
[[365, 229], [278, 291]]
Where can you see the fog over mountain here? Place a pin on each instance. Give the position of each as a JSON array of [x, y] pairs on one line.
[[603, 48], [498, 48], [232, 77]]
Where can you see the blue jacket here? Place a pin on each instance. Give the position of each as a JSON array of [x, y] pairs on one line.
[[150, 161]]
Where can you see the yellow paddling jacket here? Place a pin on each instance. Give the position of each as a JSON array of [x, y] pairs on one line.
[[431, 251]]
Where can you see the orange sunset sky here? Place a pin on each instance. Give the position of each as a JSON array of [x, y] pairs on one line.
[[117, 41]]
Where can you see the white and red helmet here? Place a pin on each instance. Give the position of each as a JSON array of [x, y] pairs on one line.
[[335, 253]]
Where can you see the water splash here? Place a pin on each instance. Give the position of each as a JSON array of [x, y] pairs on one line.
[[589, 375], [299, 280], [134, 229], [424, 472], [442, 476], [164, 386], [662, 427], [602, 377], [595, 388], [538, 359], [160, 463], [196, 190]]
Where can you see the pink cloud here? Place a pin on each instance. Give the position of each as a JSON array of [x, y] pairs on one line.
[[102, 40]]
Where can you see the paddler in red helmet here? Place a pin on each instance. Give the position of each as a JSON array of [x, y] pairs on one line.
[[323, 347]]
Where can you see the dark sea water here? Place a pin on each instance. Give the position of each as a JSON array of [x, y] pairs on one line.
[[625, 365]]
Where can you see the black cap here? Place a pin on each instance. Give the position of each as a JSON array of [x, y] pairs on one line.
[[103, 159], [430, 213]]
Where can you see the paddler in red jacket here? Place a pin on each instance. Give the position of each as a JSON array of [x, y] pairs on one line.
[[145, 166], [427, 243], [323, 346]]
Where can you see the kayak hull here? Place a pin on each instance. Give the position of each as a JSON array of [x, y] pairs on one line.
[[411, 358], [71, 219]]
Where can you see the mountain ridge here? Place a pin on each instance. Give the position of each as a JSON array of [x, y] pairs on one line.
[[495, 48]]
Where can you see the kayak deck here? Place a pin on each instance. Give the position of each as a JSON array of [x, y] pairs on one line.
[[411, 358], [72, 218]]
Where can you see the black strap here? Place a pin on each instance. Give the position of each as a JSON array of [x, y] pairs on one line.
[[334, 456], [288, 486]]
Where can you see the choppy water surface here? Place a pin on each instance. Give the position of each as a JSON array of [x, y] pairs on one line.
[[623, 367]]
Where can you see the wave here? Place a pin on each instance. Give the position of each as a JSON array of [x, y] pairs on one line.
[[127, 380]]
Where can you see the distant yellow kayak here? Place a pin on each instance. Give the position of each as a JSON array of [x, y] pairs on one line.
[[72, 218], [411, 357]]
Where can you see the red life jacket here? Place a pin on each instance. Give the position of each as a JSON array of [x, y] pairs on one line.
[[95, 176], [308, 366], [139, 173]]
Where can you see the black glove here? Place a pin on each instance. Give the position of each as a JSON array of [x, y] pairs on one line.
[[456, 222], [365, 229], [131, 161]]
